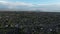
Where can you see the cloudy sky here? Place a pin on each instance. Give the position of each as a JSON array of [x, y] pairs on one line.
[[42, 5]]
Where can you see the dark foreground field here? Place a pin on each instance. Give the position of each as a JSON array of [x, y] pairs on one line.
[[23, 22]]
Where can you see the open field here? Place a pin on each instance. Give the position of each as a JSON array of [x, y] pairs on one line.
[[23, 22]]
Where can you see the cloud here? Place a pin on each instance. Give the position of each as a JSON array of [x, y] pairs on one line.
[[16, 3], [48, 7], [29, 6]]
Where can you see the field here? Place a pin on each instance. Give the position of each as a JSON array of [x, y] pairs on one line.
[[25, 22]]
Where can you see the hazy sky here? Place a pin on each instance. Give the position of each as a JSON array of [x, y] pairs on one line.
[[44, 5]]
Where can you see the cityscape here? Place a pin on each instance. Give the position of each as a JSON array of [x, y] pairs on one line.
[[24, 22]]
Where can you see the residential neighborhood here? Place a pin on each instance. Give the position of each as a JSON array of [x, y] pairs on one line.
[[29, 23]]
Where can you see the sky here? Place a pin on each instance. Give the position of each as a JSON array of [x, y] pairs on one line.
[[30, 5]]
